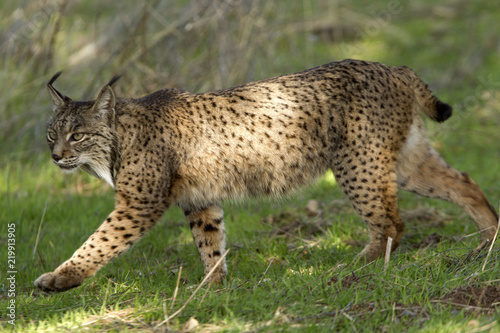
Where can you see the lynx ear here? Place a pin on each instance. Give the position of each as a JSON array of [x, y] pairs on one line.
[[105, 102], [58, 99]]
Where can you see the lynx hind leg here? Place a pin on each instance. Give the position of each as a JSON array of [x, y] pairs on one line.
[[421, 170], [207, 227], [372, 190]]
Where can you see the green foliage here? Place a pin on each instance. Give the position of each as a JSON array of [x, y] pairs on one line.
[[291, 268]]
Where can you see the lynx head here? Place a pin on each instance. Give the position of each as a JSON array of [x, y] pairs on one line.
[[81, 134]]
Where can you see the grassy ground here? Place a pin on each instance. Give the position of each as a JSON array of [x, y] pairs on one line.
[[290, 262]]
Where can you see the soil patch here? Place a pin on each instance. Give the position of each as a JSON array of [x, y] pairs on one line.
[[351, 280], [424, 216], [482, 297]]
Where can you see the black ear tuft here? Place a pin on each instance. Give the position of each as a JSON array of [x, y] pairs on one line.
[[113, 80], [58, 99], [56, 75]]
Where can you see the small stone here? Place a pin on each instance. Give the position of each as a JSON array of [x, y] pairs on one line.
[[190, 325], [312, 208]]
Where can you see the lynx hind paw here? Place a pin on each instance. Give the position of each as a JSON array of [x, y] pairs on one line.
[[53, 282]]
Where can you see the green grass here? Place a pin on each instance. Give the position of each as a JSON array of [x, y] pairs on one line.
[[289, 270]]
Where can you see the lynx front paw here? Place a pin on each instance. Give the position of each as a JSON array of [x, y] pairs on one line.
[[57, 283], [217, 278]]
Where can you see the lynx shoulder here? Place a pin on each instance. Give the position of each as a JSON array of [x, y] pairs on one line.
[[264, 138]]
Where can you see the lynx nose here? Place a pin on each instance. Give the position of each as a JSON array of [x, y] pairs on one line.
[[56, 157]]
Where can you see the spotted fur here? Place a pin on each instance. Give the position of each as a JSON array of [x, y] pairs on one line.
[[357, 118]]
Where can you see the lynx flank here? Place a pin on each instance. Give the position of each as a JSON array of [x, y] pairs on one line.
[[359, 119]]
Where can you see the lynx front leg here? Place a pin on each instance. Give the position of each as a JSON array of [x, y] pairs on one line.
[[207, 227], [122, 229]]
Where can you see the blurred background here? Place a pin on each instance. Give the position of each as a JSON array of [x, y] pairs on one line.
[[202, 45]]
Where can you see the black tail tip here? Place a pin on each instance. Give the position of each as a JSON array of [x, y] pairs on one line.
[[443, 111]]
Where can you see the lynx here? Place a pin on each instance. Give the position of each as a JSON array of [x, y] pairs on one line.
[[359, 119]]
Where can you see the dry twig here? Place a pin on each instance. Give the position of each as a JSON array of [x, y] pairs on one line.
[[196, 290], [491, 245], [388, 252]]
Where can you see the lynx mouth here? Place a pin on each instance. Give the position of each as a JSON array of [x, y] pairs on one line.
[[68, 167]]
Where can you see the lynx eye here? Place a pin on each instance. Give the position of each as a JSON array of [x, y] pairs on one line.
[[51, 135], [77, 136]]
